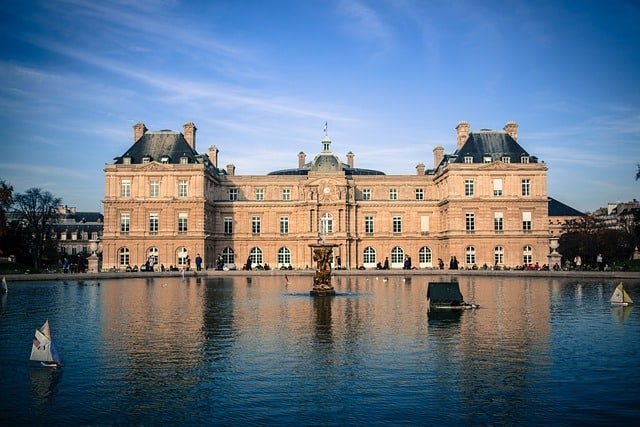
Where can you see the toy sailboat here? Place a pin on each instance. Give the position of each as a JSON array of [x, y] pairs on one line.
[[3, 287], [43, 350], [620, 296]]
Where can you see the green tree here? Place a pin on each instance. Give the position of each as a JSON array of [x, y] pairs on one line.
[[37, 211]]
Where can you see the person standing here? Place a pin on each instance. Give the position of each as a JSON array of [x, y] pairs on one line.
[[600, 262], [198, 262], [578, 262]]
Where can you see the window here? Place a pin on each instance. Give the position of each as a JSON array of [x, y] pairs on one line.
[[470, 255], [164, 159], [286, 194], [125, 188], [498, 255], [524, 159], [183, 188], [419, 193], [259, 194], [94, 235], [154, 220], [498, 222], [153, 253], [369, 256], [526, 187], [366, 194], [284, 225], [468, 187], [368, 224], [228, 257], [424, 257], [506, 159], [181, 255], [255, 225], [233, 194], [527, 255], [393, 194], [468, 159], [497, 187], [397, 256], [470, 222], [184, 160], [183, 222], [125, 222], [228, 225], [284, 257], [424, 224], [256, 256], [123, 257], [397, 224], [326, 224], [145, 160], [154, 188], [486, 159], [126, 160], [526, 222]]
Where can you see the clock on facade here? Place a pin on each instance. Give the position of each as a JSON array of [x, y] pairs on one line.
[[327, 190]]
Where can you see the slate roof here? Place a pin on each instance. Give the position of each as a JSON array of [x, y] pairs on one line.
[[556, 208], [491, 143]]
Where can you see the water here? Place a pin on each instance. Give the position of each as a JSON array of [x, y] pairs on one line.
[[234, 351]]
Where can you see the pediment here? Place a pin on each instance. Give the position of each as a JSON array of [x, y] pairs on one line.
[[498, 165], [153, 166]]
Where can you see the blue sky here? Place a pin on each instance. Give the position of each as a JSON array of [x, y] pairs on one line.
[[260, 78]]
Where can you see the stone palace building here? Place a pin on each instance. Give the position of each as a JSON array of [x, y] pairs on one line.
[[486, 203]]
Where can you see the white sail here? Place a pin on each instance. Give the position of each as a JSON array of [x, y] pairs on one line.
[[620, 296], [42, 349]]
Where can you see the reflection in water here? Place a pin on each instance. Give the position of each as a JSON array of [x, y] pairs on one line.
[[44, 384], [620, 312], [322, 327]]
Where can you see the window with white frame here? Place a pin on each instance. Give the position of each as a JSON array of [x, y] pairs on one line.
[[154, 221], [233, 194], [486, 159], [183, 222], [506, 159], [368, 224], [181, 254], [470, 222], [326, 224], [284, 257], [256, 256], [497, 187], [397, 224], [498, 221], [184, 160], [419, 193], [146, 160], [468, 187], [125, 188], [526, 222], [255, 225], [164, 160], [286, 194], [470, 255], [524, 159], [369, 255], [153, 254], [259, 194], [424, 257], [154, 188], [527, 255], [125, 222], [228, 256], [228, 225], [397, 255], [94, 235], [526, 187], [366, 194], [183, 188], [393, 194], [498, 255], [123, 257], [284, 225], [468, 159]]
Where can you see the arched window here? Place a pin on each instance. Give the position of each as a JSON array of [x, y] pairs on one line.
[[284, 257], [425, 258], [369, 257], [527, 255], [498, 255], [256, 256], [228, 257], [397, 257], [326, 224], [123, 257], [153, 253], [181, 255], [470, 254]]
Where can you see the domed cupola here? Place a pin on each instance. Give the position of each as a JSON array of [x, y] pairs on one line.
[[326, 161]]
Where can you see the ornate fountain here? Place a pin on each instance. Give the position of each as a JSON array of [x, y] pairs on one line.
[[322, 255]]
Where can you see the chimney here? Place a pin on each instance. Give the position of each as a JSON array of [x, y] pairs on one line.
[[512, 129], [231, 169], [301, 159], [190, 134], [463, 134], [420, 169], [138, 131], [350, 156], [438, 155], [213, 155]]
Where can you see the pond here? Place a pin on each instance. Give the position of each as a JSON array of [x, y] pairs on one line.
[[258, 350]]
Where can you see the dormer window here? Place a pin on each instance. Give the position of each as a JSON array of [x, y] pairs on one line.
[[164, 159], [468, 159], [126, 160], [506, 159], [486, 159], [184, 160], [524, 159], [146, 159]]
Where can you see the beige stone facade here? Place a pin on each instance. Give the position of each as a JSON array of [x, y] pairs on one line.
[[482, 206]]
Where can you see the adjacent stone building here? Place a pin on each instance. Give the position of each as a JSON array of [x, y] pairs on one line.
[[486, 203]]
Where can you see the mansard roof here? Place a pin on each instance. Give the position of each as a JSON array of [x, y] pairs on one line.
[[497, 144], [156, 145], [557, 208]]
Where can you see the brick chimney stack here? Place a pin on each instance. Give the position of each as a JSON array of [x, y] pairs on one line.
[[213, 155], [438, 154], [420, 169], [231, 169], [350, 157], [512, 129], [139, 130], [302, 158], [190, 134], [463, 133]]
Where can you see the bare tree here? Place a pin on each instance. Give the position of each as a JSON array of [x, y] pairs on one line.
[[37, 210], [638, 172], [6, 197]]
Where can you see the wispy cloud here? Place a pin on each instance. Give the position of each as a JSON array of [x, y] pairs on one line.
[[365, 23]]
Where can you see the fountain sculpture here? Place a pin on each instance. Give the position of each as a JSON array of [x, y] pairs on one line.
[[322, 255]]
